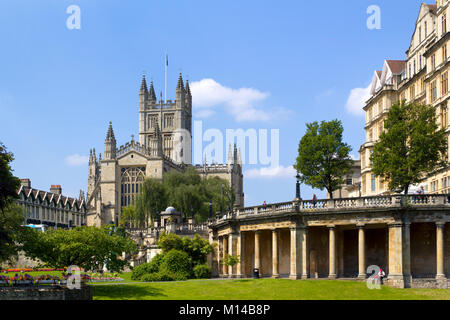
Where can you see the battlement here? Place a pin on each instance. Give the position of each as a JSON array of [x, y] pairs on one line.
[[133, 145], [212, 168], [169, 104]]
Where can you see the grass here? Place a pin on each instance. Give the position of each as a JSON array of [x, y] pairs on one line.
[[260, 289]]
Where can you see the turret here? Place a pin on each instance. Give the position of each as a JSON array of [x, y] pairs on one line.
[[180, 93], [110, 144], [188, 96], [93, 172], [143, 94], [151, 94]]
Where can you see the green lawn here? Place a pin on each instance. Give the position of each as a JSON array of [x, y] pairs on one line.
[[261, 289]]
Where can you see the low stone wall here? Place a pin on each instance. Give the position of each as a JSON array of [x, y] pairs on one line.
[[45, 293], [430, 284]]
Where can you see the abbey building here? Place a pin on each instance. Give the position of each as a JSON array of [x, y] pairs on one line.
[[165, 143]]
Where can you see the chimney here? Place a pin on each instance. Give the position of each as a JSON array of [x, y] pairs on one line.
[[25, 183], [56, 189]]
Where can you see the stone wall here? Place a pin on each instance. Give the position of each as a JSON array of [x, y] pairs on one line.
[[45, 293]]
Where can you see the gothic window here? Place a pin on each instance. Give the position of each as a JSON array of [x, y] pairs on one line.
[[152, 120], [168, 120], [132, 178]]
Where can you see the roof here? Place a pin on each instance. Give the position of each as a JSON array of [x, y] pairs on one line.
[[432, 7], [28, 192], [396, 66]]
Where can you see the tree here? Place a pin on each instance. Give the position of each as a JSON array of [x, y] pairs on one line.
[[8, 182], [152, 198], [230, 261], [323, 158], [197, 248], [86, 247], [128, 216], [11, 214], [10, 227], [186, 191], [411, 146]]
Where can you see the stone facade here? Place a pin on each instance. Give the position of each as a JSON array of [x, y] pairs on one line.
[[165, 144], [423, 78], [51, 208], [407, 236]]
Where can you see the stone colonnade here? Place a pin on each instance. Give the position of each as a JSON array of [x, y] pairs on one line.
[[398, 252]]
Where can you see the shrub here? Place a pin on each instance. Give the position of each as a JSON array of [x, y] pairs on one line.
[[147, 268], [155, 263], [140, 270], [164, 276], [176, 261], [202, 271]]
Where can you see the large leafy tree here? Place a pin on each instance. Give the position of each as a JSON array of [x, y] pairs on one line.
[[197, 248], [86, 247], [411, 146], [152, 198], [323, 158], [186, 191], [11, 214]]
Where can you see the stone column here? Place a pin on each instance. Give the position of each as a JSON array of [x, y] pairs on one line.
[[395, 276], [406, 247], [361, 252], [295, 254], [231, 244], [240, 267], [440, 273], [257, 250], [305, 258], [275, 273], [332, 258], [224, 254]]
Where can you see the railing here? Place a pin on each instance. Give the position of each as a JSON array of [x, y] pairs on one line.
[[345, 203], [136, 146]]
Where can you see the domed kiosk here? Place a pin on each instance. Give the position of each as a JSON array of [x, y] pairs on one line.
[[170, 216]]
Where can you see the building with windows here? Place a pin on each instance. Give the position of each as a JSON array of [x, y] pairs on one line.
[[165, 144], [51, 208], [352, 183], [422, 78]]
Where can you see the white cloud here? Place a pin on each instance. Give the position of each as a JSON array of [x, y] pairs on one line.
[[357, 100], [77, 160], [270, 173], [240, 103]]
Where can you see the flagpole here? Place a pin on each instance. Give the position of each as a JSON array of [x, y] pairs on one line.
[[165, 77]]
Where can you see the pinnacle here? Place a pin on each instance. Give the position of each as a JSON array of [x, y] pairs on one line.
[[152, 92], [143, 84], [180, 85], [188, 89], [110, 133]]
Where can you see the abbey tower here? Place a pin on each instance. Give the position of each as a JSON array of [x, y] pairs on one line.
[[165, 143]]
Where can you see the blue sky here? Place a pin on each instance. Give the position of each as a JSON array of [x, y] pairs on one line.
[[59, 88]]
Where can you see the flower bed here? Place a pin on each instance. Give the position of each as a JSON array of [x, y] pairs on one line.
[[32, 269]]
